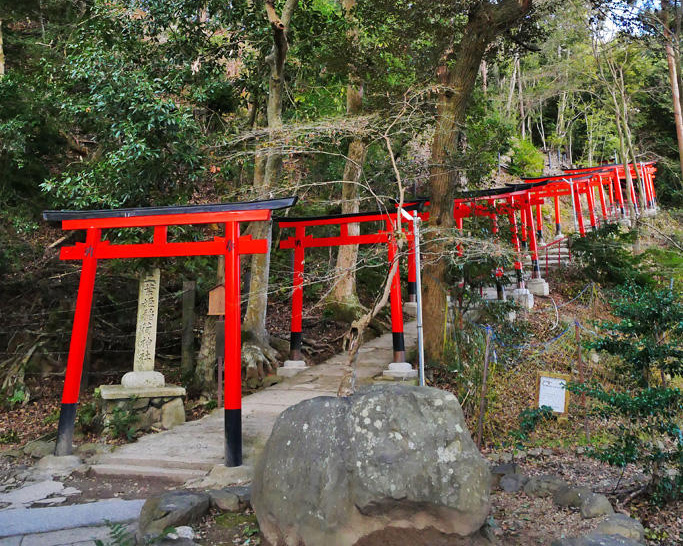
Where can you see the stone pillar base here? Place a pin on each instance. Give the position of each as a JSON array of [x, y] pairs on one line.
[[538, 287], [410, 308], [153, 407], [523, 298], [291, 368], [400, 371], [143, 380]]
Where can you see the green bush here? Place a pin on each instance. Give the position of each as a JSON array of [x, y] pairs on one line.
[[606, 257], [527, 161], [646, 418]]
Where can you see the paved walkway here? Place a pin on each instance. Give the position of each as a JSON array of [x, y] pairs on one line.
[[192, 450]]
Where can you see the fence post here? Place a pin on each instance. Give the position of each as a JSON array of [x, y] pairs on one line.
[[582, 380], [482, 402]]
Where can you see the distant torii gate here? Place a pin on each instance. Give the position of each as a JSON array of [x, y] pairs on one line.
[[300, 241], [232, 245]]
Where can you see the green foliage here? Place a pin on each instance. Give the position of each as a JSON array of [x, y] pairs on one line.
[[527, 161], [122, 422], [606, 255], [647, 418], [647, 432], [118, 536], [88, 418], [648, 337], [529, 419], [9, 436], [19, 396]]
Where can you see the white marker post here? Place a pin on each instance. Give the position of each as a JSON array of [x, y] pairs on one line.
[[418, 289]]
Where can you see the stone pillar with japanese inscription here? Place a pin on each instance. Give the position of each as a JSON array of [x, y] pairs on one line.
[[144, 391], [143, 374]]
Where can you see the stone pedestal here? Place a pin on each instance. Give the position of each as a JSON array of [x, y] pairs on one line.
[[523, 298], [410, 308], [291, 367], [400, 371], [151, 379], [158, 407], [538, 287]]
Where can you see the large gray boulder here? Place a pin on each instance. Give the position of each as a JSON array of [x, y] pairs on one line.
[[388, 462]]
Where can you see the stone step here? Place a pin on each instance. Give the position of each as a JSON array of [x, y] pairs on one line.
[[178, 475], [19, 522], [175, 464]]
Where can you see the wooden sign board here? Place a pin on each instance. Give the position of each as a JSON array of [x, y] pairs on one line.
[[551, 391], [217, 301]]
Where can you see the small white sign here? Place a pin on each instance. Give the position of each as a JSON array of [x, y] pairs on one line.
[[552, 392]]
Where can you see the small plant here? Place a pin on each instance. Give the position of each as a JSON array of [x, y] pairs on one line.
[[88, 417], [52, 418], [19, 396], [119, 535], [606, 257], [122, 422], [529, 419], [9, 437]]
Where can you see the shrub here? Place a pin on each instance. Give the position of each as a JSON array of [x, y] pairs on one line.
[[646, 419], [527, 161]]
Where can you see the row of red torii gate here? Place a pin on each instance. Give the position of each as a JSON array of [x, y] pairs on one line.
[[603, 184]]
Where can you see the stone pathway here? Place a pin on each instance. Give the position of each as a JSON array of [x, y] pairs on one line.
[[78, 524], [192, 453], [192, 450]]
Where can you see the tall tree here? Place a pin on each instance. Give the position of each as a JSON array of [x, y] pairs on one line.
[[257, 351], [343, 296], [457, 73]]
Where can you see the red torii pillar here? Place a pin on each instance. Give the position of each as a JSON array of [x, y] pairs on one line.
[[620, 196], [94, 249], [515, 242], [590, 201]]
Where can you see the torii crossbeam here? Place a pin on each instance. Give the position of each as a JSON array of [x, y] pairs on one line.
[[232, 245]]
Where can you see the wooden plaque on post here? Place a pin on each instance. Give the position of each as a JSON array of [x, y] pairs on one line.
[[217, 301]]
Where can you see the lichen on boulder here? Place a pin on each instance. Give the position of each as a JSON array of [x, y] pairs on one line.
[[389, 461]]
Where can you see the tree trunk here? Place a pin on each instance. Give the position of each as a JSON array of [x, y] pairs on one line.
[[485, 21], [187, 339], [484, 70], [204, 381], [675, 97], [343, 298], [2, 53], [254, 323], [520, 89], [513, 82]]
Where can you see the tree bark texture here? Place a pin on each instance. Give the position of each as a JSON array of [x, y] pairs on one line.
[[267, 172], [2, 53], [675, 96], [344, 291], [485, 21]]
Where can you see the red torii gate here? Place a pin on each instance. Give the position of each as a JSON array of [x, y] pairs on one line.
[[232, 245], [646, 169], [300, 241]]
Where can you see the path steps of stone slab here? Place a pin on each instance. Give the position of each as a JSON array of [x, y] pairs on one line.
[[78, 524], [190, 451]]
